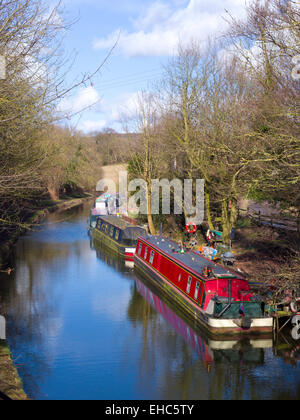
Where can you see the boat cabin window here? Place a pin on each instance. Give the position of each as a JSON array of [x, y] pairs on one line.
[[103, 227], [197, 290], [188, 289], [152, 257], [117, 235], [179, 278], [146, 253], [202, 295], [112, 232], [140, 249]]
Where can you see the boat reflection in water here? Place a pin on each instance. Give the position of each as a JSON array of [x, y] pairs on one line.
[[117, 262], [243, 350]]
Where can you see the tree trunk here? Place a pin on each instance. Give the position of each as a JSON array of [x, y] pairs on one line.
[[54, 193], [149, 216], [208, 210], [233, 213], [229, 218], [226, 225]]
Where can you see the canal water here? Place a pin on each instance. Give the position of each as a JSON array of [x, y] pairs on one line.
[[82, 325]]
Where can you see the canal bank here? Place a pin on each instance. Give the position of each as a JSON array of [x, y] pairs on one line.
[[10, 382]]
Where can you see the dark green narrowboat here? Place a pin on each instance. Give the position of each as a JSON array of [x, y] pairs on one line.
[[118, 235]]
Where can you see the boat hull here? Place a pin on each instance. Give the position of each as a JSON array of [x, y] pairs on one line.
[[119, 249], [215, 326]]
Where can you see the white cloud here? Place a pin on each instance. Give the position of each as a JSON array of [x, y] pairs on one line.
[[124, 107], [157, 13], [90, 126], [116, 112], [109, 307], [158, 31], [85, 98]]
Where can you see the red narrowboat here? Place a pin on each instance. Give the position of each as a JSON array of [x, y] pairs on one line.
[[218, 299]]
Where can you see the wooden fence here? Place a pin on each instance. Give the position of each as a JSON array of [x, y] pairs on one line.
[[275, 221]]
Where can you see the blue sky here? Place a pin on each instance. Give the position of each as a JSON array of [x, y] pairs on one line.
[[148, 33]]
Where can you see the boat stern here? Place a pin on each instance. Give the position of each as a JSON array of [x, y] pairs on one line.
[[238, 317], [129, 254]]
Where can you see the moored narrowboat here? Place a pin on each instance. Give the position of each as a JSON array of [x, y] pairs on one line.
[[100, 208], [92, 220], [213, 296], [118, 235], [208, 349]]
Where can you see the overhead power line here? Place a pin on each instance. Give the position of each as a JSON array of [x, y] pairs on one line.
[[129, 80]]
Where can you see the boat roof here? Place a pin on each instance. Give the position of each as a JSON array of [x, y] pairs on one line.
[[190, 259], [130, 230]]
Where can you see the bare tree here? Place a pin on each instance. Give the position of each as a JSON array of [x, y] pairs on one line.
[[264, 43], [31, 39], [148, 162]]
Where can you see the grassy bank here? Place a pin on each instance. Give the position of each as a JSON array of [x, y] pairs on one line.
[[10, 382], [267, 255]]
